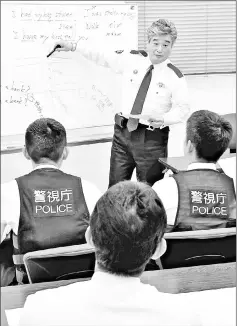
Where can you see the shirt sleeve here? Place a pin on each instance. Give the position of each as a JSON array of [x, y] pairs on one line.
[[91, 193], [104, 57], [228, 165], [167, 191], [10, 208], [180, 104]]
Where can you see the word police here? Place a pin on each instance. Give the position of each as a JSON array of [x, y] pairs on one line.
[[46, 209], [209, 210]]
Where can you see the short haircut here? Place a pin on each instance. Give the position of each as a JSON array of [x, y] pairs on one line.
[[209, 133], [162, 26], [127, 223], [45, 138]]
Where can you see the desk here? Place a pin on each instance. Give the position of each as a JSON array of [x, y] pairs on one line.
[[3, 316], [177, 280], [176, 164]]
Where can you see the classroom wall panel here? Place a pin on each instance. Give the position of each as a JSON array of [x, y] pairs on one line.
[[206, 33]]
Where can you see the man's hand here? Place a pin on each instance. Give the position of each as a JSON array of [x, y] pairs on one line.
[[64, 46], [155, 121]]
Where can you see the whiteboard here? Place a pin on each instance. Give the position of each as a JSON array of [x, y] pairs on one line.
[[65, 86]]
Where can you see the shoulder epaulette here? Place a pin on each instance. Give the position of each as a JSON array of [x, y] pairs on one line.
[[119, 51], [142, 52], [175, 69]]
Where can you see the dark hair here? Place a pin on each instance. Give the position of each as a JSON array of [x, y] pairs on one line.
[[45, 138], [127, 223], [209, 133]]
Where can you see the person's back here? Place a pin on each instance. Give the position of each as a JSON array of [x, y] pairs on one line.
[[206, 200], [53, 210], [49, 206], [126, 230], [107, 300], [201, 197]]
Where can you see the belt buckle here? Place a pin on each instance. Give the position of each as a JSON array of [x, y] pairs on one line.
[[150, 128]]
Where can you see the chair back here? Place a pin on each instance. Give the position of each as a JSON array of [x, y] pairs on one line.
[[61, 263], [202, 247]]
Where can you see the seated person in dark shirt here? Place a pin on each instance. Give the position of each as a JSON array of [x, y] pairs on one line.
[[201, 197], [46, 208]]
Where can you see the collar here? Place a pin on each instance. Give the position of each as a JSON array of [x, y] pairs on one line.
[[45, 166], [109, 279], [161, 65], [199, 165]]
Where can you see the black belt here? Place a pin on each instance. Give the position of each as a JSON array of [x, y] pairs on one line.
[[122, 123]]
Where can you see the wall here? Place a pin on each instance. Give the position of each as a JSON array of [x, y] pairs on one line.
[[206, 40], [89, 161]]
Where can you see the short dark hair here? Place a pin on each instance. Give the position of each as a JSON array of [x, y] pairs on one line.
[[127, 223], [45, 138], [209, 133]]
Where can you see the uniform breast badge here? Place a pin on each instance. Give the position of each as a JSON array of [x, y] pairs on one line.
[[161, 85]]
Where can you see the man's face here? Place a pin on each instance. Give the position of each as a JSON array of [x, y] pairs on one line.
[[159, 48]]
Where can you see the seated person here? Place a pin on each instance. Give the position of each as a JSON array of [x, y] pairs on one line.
[[46, 208], [201, 197], [126, 230]]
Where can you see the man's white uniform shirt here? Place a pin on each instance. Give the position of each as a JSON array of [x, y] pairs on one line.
[[10, 202], [228, 165], [107, 299], [167, 94], [167, 190]]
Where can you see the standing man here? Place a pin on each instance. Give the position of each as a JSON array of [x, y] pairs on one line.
[[154, 90]]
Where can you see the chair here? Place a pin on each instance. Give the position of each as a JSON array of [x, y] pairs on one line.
[[231, 118], [61, 263], [202, 247]]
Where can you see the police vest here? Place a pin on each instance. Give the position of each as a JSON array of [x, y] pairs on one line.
[[53, 213], [207, 200]]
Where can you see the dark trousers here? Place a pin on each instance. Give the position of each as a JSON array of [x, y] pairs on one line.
[[138, 149]]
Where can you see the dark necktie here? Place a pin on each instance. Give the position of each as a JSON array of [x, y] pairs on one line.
[[140, 99]]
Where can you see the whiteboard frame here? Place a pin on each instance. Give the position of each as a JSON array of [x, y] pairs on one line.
[[66, 2]]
